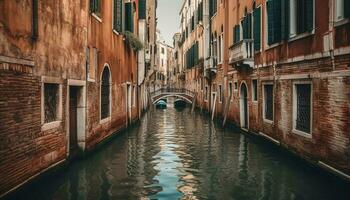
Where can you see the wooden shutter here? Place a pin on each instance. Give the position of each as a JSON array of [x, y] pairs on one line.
[[309, 15], [92, 6], [257, 28], [347, 8], [129, 18], [270, 22], [117, 15], [277, 7], [285, 15], [236, 34], [142, 9]]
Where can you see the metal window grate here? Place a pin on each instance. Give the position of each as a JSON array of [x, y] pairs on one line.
[[303, 92], [51, 102], [268, 102]]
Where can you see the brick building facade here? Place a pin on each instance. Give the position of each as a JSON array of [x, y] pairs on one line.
[[68, 81], [278, 69]]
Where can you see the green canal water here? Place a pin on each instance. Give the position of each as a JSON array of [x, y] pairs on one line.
[[174, 155]]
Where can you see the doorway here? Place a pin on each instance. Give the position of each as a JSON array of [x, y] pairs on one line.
[[244, 106], [73, 121]]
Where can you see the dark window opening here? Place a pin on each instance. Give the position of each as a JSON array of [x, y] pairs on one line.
[[95, 7], [268, 98], [255, 90], [105, 93], [51, 99]]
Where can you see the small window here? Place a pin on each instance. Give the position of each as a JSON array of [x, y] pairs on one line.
[[117, 15], [105, 93], [255, 90], [302, 107], [134, 96], [220, 93], [301, 16], [236, 85], [268, 102], [95, 7], [51, 102], [163, 50], [206, 93]]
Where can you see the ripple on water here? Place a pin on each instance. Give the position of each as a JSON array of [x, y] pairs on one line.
[[175, 155]]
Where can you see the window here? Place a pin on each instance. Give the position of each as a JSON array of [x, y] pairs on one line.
[[301, 17], [342, 9], [202, 84], [51, 102], [162, 62], [236, 34], [247, 26], [163, 50], [142, 9], [230, 90], [95, 7], [220, 93], [213, 7], [236, 85], [273, 21], [268, 102], [257, 28], [255, 90], [221, 48], [206, 93], [302, 107], [117, 15], [129, 17], [105, 93]]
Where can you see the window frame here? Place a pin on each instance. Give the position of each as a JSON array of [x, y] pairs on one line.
[[95, 14], [56, 123], [220, 93], [255, 91], [230, 88], [110, 95], [273, 102], [294, 108], [295, 35]]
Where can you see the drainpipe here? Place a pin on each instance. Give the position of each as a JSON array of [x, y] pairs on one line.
[[35, 11]]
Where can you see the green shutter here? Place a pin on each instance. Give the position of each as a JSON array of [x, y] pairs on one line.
[[92, 6], [117, 15], [285, 19], [270, 22], [257, 29], [277, 20], [129, 17], [142, 9], [309, 15], [237, 34], [347, 8]]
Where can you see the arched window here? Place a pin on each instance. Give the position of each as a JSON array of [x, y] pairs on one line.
[[105, 93]]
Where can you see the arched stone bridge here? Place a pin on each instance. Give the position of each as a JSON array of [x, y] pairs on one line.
[[181, 93]]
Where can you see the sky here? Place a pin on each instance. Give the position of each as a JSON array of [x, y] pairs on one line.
[[168, 18]]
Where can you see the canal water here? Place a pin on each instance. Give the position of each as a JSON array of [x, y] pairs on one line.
[[172, 154]]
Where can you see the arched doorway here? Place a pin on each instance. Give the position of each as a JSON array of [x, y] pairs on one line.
[[105, 93], [244, 105]]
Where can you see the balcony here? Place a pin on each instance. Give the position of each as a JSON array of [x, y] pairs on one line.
[[242, 54], [210, 67]]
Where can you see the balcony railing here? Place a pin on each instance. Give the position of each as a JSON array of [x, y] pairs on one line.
[[242, 53]]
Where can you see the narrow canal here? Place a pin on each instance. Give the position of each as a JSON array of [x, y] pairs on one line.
[[175, 155]]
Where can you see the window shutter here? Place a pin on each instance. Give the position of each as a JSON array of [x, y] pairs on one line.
[[249, 24], [285, 19], [257, 28], [142, 9], [92, 6], [270, 22], [347, 8], [129, 18], [309, 20], [117, 15], [277, 20]]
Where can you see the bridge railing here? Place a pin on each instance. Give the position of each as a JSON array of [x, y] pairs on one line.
[[172, 90]]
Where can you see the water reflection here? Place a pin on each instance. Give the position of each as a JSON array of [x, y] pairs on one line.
[[175, 155]]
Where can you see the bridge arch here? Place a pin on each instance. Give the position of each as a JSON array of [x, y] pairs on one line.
[[156, 99]]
